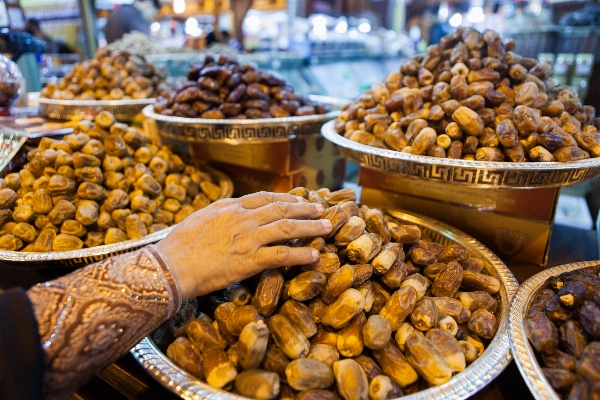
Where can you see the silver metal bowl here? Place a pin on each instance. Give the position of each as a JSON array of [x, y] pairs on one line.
[[481, 372], [521, 349], [82, 257], [245, 130], [465, 172], [123, 110]]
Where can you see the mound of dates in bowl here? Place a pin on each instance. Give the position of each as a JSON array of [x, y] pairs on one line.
[[223, 89], [384, 312], [471, 97], [563, 326], [104, 183], [112, 75]]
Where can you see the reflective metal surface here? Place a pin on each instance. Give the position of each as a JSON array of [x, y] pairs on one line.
[[521, 349], [11, 141], [86, 256], [493, 361], [465, 172], [244, 130], [123, 110]]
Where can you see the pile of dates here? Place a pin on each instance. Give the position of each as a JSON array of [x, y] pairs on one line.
[[471, 97], [223, 89], [384, 312], [104, 183], [563, 325], [116, 75]]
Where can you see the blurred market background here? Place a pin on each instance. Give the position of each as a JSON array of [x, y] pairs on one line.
[[330, 47]]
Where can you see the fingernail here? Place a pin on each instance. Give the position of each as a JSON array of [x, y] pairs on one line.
[[326, 224], [300, 199], [315, 254], [319, 207]]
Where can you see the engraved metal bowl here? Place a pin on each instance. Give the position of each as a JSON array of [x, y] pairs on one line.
[[89, 255], [521, 348], [123, 110], [481, 372], [243, 130], [465, 172]]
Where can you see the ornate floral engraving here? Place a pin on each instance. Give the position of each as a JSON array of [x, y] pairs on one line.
[[94, 315]]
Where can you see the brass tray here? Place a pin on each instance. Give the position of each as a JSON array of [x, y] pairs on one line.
[[493, 361], [89, 255], [245, 130], [123, 110], [464, 172], [521, 349]]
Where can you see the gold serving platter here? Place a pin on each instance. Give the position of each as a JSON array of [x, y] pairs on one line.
[[463, 385], [247, 130], [483, 174]]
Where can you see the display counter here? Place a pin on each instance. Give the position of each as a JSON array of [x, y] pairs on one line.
[[127, 379]]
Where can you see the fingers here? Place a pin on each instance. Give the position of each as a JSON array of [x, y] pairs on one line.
[[278, 256], [261, 199], [284, 210], [286, 229]]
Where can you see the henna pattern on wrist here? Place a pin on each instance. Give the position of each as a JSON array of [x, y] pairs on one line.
[[91, 317]]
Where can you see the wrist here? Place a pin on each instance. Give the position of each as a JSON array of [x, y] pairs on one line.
[[186, 284]]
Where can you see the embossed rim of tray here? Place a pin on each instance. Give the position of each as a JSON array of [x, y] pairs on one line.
[[465, 172], [481, 372], [521, 349], [81, 257], [64, 109], [244, 130]]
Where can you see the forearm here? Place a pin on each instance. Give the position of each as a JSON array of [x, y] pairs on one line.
[[91, 317]]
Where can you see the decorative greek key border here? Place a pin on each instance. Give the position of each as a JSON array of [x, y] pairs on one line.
[[230, 131], [472, 175]]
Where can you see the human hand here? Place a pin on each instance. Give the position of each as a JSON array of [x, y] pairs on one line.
[[229, 240]]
